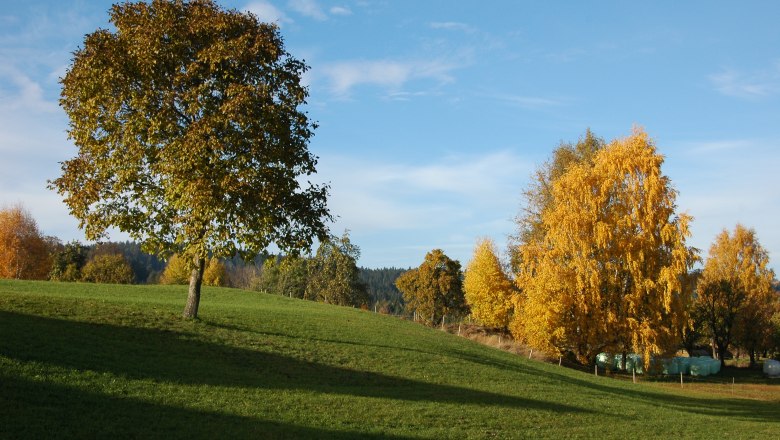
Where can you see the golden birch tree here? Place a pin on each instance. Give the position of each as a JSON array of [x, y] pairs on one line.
[[538, 196], [487, 289], [735, 295], [608, 273], [215, 273]]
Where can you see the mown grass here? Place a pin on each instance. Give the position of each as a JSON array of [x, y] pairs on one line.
[[79, 360]]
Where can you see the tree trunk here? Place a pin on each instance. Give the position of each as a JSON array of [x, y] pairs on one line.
[[193, 299], [623, 361], [722, 348], [752, 357]]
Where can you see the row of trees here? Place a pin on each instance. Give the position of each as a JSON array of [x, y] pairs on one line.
[[25, 253], [600, 263], [330, 276]]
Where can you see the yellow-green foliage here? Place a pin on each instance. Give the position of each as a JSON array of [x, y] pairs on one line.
[[215, 274], [487, 289], [179, 270], [107, 269], [606, 275]]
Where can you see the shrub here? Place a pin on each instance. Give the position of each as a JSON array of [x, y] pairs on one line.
[[107, 269]]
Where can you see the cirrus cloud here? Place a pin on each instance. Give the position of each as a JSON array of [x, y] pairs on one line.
[[756, 84]]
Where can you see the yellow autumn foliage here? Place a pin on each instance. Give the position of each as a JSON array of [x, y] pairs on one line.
[[735, 292], [487, 289], [179, 270], [24, 253], [607, 274]]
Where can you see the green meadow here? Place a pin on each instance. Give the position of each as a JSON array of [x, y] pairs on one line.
[[109, 361]]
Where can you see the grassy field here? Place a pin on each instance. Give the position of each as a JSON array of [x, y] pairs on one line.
[[99, 361]]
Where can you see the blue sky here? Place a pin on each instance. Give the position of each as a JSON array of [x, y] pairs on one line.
[[433, 114]]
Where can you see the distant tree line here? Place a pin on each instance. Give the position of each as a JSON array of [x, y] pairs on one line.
[[380, 283]]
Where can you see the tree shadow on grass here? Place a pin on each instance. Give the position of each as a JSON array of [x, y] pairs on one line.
[[44, 410], [740, 408], [174, 357]]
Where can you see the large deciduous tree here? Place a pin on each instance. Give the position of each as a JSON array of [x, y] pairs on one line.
[[607, 270], [735, 296], [538, 196], [189, 135], [24, 252], [488, 291], [434, 289]]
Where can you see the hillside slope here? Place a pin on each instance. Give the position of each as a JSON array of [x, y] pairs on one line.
[[81, 360]]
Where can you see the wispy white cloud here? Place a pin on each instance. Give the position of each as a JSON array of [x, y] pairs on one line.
[[719, 146], [340, 10], [444, 204], [530, 102], [756, 84], [378, 195], [391, 74], [405, 96], [452, 26], [308, 8], [721, 183], [573, 54], [267, 12], [18, 90]]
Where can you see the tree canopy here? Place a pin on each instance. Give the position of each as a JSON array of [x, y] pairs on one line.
[[24, 251], [434, 289], [333, 275], [107, 269], [538, 196], [488, 291], [607, 272], [189, 135], [735, 296]]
